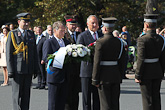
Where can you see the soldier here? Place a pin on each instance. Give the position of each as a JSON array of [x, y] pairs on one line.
[[108, 67], [150, 64], [74, 68], [21, 58]]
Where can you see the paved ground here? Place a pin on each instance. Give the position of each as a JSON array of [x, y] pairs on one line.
[[130, 98]]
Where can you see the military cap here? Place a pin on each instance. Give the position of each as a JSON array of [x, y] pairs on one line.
[[150, 17], [24, 16], [72, 19], [109, 22]]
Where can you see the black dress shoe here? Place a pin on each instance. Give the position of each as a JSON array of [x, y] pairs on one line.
[[37, 87], [10, 75], [42, 87]]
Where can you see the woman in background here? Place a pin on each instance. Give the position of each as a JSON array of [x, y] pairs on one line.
[[3, 56]]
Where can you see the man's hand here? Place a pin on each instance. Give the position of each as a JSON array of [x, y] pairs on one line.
[[137, 81], [42, 62], [10, 75]]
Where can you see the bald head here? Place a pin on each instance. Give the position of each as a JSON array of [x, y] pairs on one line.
[[124, 28]]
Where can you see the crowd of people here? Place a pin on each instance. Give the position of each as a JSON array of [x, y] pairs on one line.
[[24, 53]]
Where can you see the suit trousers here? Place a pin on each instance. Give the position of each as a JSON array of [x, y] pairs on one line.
[[74, 86], [87, 89], [73, 91], [150, 90], [21, 85], [109, 96], [42, 75], [57, 96]]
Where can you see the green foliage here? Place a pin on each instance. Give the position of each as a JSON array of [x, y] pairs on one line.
[[45, 12]]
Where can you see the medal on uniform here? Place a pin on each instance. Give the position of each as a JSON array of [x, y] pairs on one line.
[[19, 34]]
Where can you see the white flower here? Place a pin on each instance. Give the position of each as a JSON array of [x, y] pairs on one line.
[[79, 45], [89, 52], [85, 52], [69, 53], [74, 54], [69, 46], [74, 46], [69, 49], [80, 52]]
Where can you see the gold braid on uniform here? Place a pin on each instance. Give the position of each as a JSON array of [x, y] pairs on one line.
[[20, 48]]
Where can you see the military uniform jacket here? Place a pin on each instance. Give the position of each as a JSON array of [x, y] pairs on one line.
[[17, 63], [150, 47], [108, 48]]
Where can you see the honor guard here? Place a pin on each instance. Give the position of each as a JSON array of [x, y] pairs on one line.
[[21, 58], [150, 64], [108, 67]]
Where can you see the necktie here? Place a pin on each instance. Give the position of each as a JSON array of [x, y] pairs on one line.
[[94, 36], [73, 38], [23, 33], [61, 43], [38, 38]]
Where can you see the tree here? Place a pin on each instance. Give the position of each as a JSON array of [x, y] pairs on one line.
[[152, 7]]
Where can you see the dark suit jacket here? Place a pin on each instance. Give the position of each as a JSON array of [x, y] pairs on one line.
[[108, 48], [149, 47], [85, 38], [50, 46], [69, 38], [39, 47], [16, 63]]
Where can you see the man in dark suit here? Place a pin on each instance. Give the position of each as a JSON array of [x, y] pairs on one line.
[[41, 72], [108, 66], [74, 85], [49, 31], [150, 64], [85, 38], [21, 58], [57, 82]]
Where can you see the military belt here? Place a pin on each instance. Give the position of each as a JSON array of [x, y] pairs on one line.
[[151, 60], [108, 63]]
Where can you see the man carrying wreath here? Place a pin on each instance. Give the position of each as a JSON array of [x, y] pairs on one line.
[[57, 82]]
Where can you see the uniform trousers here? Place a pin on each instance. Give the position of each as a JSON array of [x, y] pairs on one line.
[[150, 90], [21, 85], [87, 89], [57, 96], [109, 96]]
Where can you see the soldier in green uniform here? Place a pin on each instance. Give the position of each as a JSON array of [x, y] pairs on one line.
[[150, 64], [21, 58], [108, 67]]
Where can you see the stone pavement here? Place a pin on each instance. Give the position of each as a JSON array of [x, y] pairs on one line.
[[130, 98]]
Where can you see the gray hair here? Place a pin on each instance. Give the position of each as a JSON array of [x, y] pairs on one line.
[[57, 25], [90, 17], [115, 31], [48, 26]]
